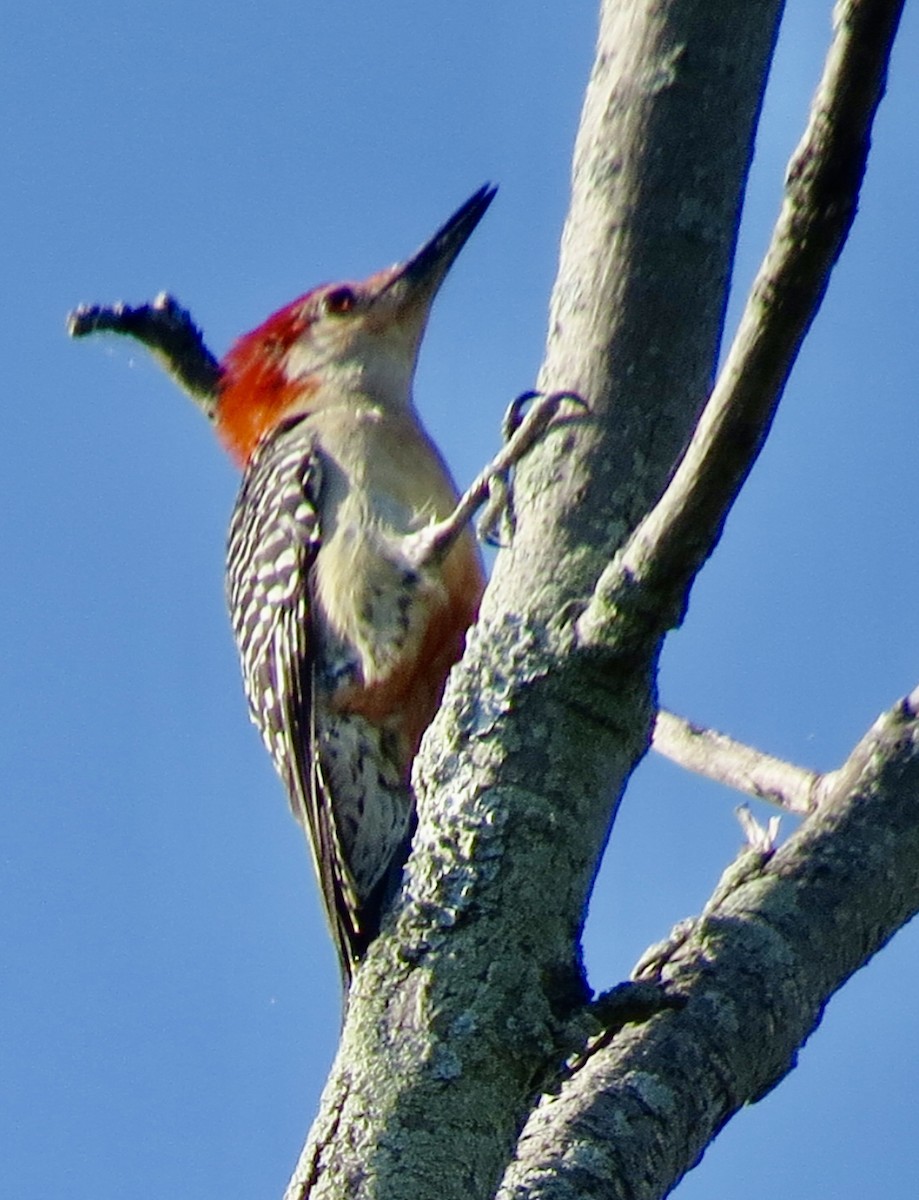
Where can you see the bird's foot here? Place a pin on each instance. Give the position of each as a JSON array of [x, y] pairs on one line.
[[492, 487], [521, 429]]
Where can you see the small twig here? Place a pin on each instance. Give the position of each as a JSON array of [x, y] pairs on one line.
[[719, 757], [630, 1002], [761, 839], [168, 332]]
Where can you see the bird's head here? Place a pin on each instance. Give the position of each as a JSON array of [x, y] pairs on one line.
[[340, 340]]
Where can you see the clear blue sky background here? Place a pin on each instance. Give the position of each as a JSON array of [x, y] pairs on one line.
[[168, 1003]]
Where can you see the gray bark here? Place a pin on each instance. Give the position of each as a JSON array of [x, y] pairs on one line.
[[781, 933], [472, 1000]]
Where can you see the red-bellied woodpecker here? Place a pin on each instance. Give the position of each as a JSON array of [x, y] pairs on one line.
[[345, 633], [352, 575]]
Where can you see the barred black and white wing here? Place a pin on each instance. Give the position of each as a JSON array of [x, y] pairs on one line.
[[274, 538]]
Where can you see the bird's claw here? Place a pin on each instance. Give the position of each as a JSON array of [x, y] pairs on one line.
[[514, 414], [542, 413], [520, 429], [496, 524], [492, 487]]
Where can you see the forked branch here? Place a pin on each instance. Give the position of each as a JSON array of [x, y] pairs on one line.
[[782, 932], [821, 195], [785, 928]]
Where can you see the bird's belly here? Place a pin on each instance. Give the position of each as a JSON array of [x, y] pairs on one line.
[[391, 631], [372, 602]]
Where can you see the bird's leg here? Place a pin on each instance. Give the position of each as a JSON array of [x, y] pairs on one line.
[[491, 487], [498, 511]]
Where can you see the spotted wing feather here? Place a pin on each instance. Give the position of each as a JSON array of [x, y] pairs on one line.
[[274, 538]]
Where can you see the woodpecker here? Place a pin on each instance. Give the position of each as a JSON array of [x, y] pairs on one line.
[[352, 573], [346, 630]]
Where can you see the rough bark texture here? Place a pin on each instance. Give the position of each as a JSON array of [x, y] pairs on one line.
[[660, 166], [779, 936], [741, 767], [459, 1017]]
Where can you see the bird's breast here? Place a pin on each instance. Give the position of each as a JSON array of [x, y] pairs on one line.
[[371, 601], [388, 629]]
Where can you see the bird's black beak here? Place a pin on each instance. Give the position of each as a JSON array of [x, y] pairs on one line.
[[417, 281]]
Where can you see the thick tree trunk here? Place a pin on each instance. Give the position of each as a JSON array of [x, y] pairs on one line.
[[461, 1011]]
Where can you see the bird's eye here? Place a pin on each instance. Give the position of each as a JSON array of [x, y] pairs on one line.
[[340, 300]]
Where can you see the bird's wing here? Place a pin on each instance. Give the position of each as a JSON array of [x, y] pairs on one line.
[[274, 538]]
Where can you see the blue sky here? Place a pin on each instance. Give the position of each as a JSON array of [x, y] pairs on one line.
[[169, 1000]]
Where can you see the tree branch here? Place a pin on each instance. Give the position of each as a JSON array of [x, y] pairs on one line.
[[724, 760], [637, 310], [780, 935], [821, 195], [168, 332], [783, 931]]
